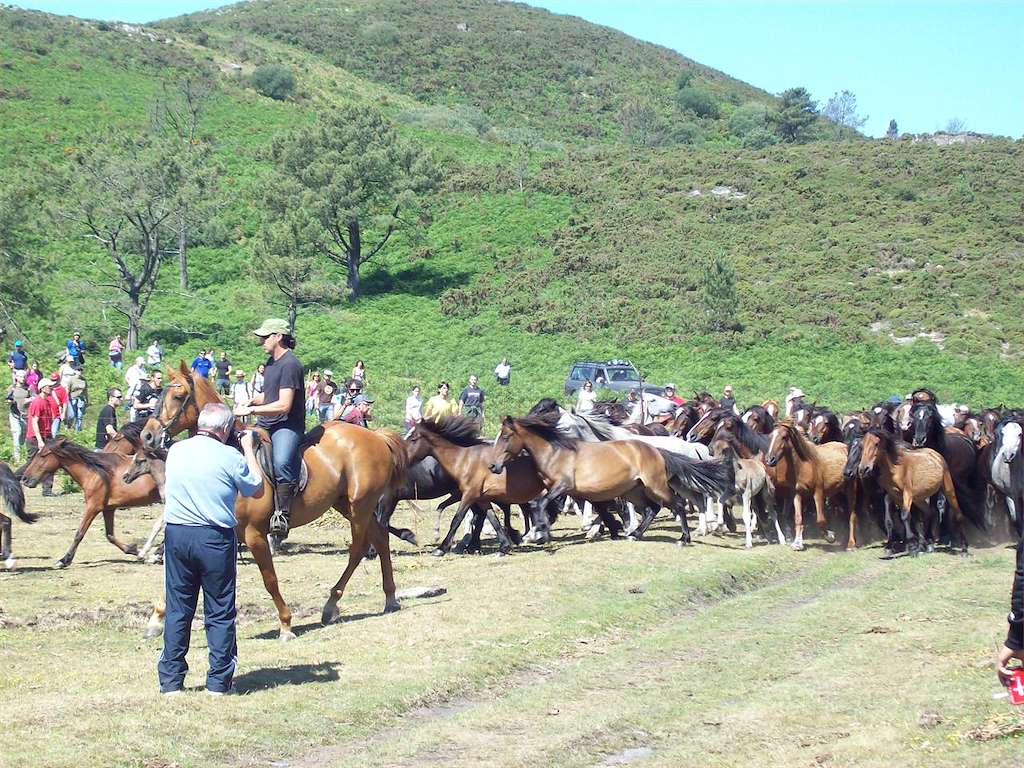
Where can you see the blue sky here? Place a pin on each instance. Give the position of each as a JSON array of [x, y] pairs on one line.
[[921, 62]]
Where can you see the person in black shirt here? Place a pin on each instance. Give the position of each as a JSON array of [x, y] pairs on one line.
[[147, 394], [106, 424], [1013, 648], [223, 378], [728, 401], [471, 400], [280, 409]]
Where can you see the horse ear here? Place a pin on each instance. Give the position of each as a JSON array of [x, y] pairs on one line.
[[507, 421], [182, 368]]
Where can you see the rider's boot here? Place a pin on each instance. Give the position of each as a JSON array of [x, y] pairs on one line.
[[283, 494]]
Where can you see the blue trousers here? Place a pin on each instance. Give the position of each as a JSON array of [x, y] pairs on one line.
[[199, 557], [285, 449]]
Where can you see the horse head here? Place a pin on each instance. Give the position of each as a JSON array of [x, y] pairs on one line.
[[1008, 440], [926, 421], [507, 445], [178, 407]]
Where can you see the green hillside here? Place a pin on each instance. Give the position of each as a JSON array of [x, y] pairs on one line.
[[578, 245]]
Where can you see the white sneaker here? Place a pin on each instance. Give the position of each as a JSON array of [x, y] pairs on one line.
[[175, 692], [232, 691]]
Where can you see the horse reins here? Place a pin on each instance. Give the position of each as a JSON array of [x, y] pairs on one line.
[[181, 409]]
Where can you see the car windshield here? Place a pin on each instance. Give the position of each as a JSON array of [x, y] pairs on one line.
[[623, 374], [581, 373]]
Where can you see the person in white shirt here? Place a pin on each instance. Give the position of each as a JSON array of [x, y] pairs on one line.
[[503, 372], [154, 355], [585, 398], [132, 377], [413, 408], [240, 392]]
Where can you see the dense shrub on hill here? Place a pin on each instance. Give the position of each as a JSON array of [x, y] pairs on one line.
[[274, 80]]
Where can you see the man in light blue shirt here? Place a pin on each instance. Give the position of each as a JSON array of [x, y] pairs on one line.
[[204, 477]]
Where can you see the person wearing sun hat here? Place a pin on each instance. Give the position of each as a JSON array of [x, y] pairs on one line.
[[42, 410], [280, 409]]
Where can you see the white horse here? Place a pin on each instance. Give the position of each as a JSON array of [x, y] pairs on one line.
[[1008, 468]]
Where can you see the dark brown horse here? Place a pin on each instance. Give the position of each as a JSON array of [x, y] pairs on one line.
[[760, 419], [456, 445], [824, 427], [959, 453], [101, 478], [350, 468]]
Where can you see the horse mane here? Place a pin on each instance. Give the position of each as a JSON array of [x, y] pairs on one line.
[[545, 427], [599, 424], [100, 463], [460, 430], [936, 432], [747, 437], [132, 432], [800, 445], [889, 443], [544, 405]]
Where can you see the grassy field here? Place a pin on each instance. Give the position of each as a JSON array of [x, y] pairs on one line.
[[578, 655]]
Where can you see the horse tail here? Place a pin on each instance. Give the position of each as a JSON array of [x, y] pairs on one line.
[[13, 495], [710, 478]]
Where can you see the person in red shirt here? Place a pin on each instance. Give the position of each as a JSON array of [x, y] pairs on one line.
[[41, 413], [360, 412], [670, 394], [60, 397]]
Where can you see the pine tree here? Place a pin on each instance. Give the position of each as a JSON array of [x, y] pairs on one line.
[[893, 131], [719, 301], [796, 114]]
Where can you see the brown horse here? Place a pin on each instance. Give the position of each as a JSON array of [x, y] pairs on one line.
[[798, 468], [772, 408], [912, 479], [602, 472], [457, 447], [760, 418], [704, 428], [100, 476], [350, 468]]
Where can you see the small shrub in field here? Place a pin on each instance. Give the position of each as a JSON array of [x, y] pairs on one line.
[[697, 100], [381, 33], [906, 194], [273, 80]]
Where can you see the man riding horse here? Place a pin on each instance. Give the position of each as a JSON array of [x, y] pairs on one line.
[[281, 411]]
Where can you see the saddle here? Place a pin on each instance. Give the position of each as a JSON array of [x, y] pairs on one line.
[[265, 458]]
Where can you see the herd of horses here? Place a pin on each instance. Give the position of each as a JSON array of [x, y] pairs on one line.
[[895, 466]]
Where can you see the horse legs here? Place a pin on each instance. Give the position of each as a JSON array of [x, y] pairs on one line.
[[6, 544], [504, 543], [460, 513], [158, 526], [155, 625], [819, 510], [851, 504], [87, 517], [379, 538], [798, 521], [259, 548], [748, 517], [357, 550], [958, 515], [108, 525]]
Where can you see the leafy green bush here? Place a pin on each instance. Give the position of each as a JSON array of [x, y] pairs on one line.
[[273, 80], [381, 33], [700, 101]]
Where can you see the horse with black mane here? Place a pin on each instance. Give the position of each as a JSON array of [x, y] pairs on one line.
[[824, 427]]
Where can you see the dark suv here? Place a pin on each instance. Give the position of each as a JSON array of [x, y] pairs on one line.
[[616, 375]]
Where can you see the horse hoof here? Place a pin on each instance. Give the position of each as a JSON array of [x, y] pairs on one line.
[[830, 537], [391, 606], [438, 552], [798, 546], [681, 543], [62, 563], [132, 550], [329, 615], [152, 632], [286, 635], [9, 563], [410, 538]]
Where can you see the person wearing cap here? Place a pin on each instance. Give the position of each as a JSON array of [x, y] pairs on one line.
[[325, 392], [76, 348], [359, 414], [147, 395], [60, 397], [281, 411], [241, 394], [728, 401], [41, 413], [18, 359], [671, 396]]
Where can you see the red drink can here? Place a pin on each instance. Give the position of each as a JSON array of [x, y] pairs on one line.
[[1016, 686]]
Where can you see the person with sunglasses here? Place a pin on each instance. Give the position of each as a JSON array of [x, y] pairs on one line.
[[106, 423]]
